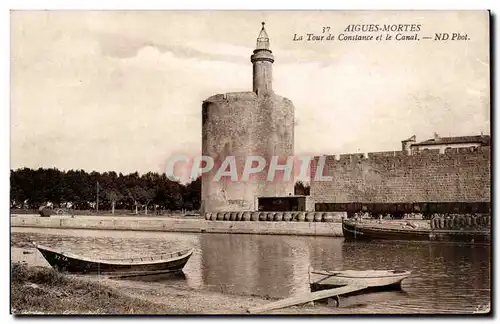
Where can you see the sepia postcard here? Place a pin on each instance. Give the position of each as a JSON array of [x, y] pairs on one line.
[[250, 162]]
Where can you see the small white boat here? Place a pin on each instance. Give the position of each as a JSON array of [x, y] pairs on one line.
[[367, 278], [333, 284]]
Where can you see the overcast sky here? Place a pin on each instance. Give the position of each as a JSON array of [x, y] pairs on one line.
[[122, 91]]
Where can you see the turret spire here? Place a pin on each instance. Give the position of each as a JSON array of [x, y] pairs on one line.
[[262, 60], [263, 39]]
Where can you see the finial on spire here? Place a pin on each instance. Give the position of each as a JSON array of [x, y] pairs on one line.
[[263, 39]]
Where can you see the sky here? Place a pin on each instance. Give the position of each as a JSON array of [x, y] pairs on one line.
[[122, 90]]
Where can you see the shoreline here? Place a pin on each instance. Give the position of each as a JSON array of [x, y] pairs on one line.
[[91, 295], [79, 294]]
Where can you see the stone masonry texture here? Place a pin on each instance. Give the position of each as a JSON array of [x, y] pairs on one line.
[[243, 124], [458, 175]]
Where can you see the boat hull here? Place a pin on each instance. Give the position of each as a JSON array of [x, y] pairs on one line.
[[72, 264], [357, 231], [373, 280]]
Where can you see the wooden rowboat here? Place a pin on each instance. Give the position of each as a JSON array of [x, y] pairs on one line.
[[369, 279], [164, 263], [353, 231], [330, 285]]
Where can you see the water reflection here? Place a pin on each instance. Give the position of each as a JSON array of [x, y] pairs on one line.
[[248, 264], [445, 276], [448, 276]]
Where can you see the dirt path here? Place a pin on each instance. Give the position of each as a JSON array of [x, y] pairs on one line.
[[202, 302]]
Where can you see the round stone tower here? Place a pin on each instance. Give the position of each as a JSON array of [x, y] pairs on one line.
[[243, 124]]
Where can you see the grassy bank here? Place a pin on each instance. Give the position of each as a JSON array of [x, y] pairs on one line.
[[40, 290]]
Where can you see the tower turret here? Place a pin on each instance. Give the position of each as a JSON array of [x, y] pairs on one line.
[[262, 60]]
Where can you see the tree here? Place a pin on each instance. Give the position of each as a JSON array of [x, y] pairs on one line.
[[29, 188], [192, 195], [173, 196], [145, 197], [114, 196], [134, 194]]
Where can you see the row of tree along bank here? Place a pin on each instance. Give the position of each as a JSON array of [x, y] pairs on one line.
[[94, 191], [77, 189]]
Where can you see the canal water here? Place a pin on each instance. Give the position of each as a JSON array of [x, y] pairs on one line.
[[446, 277]]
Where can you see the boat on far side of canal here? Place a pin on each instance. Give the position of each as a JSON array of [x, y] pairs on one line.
[[125, 267], [355, 230]]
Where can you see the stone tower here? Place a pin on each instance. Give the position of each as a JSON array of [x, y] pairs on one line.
[[242, 124]]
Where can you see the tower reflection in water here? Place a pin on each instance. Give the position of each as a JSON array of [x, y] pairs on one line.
[[272, 266]]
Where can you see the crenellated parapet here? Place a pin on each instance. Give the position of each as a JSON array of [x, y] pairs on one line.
[[393, 158]]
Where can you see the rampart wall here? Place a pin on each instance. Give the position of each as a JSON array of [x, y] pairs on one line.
[[457, 175]]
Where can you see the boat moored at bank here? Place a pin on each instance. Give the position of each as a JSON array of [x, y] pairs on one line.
[[354, 230], [136, 266]]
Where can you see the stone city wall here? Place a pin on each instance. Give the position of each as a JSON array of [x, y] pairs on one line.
[[458, 175]]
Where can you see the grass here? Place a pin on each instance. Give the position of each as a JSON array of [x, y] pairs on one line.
[[40, 290]]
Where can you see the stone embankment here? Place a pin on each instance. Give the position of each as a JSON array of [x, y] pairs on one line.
[[311, 224]]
